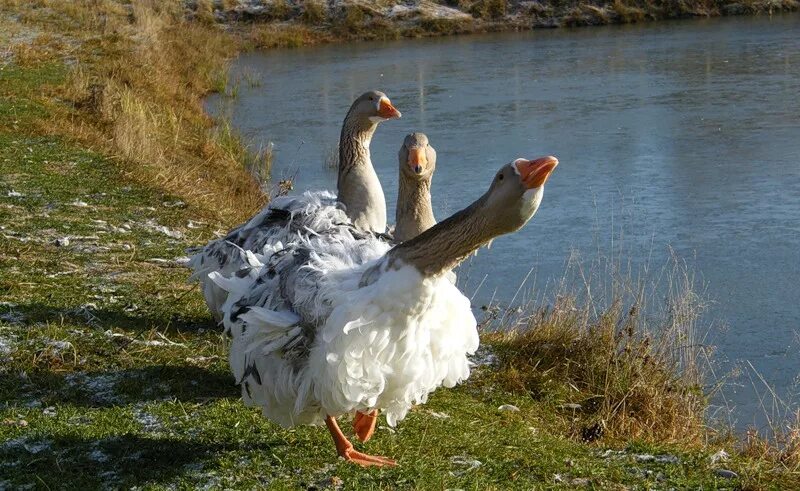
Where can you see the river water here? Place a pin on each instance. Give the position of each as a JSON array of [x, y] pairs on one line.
[[676, 137]]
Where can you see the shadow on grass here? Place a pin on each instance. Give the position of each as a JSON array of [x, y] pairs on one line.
[[161, 317], [71, 462], [117, 388]]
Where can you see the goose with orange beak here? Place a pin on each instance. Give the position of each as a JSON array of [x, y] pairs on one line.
[[360, 202], [343, 323], [359, 189], [414, 215]]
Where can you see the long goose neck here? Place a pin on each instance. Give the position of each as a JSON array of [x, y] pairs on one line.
[[354, 144], [445, 245], [359, 188], [414, 210]]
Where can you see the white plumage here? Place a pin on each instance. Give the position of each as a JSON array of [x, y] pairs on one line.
[[326, 319], [309, 342]]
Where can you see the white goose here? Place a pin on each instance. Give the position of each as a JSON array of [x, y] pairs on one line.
[[340, 322], [285, 219], [414, 215]]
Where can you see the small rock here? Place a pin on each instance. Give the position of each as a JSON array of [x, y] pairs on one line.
[[62, 242], [79, 203], [49, 411], [14, 194], [508, 407], [726, 474]]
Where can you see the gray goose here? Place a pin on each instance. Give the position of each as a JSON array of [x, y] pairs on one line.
[[345, 323], [360, 201], [414, 210]]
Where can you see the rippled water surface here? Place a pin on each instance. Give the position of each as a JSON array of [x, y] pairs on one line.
[[678, 135]]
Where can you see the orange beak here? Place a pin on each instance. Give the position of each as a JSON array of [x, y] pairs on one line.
[[533, 173], [386, 110], [417, 159]]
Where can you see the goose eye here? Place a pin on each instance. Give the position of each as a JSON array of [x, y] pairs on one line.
[[499, 177]]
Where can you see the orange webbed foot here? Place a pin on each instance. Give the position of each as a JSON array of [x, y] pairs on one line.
[[364, 424], [346, 451], [364, 460]]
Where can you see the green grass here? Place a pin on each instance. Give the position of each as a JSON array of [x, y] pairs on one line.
[[114, 375]]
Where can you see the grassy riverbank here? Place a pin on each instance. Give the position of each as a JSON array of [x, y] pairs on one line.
[[297, 23], [113, 374]]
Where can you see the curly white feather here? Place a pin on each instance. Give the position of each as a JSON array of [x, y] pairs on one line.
[[325, 346]]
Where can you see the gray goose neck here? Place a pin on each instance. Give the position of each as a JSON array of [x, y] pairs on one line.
[[414, 213], [358, 186], [445, 245]]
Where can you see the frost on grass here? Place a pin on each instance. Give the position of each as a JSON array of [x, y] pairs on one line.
[[659, 459], [87, 313], [150, 423], [156, 227], [98, 455], [101, 387], [483, 357], [58, 346], [466, 464], [30, 445], [6, 347], [12, 317]]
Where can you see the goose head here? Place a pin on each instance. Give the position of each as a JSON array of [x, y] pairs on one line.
[[515, 193], [373, 107], [417, 157]]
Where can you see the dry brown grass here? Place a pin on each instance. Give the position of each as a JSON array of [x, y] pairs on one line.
[[136, 92], [313, 12], [628, 13], [782, 446], [778, 441], [265, 36], [489, 9], [634, 368]]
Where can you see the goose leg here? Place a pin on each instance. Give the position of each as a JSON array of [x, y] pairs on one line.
[[345, 449], [364, 424]]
